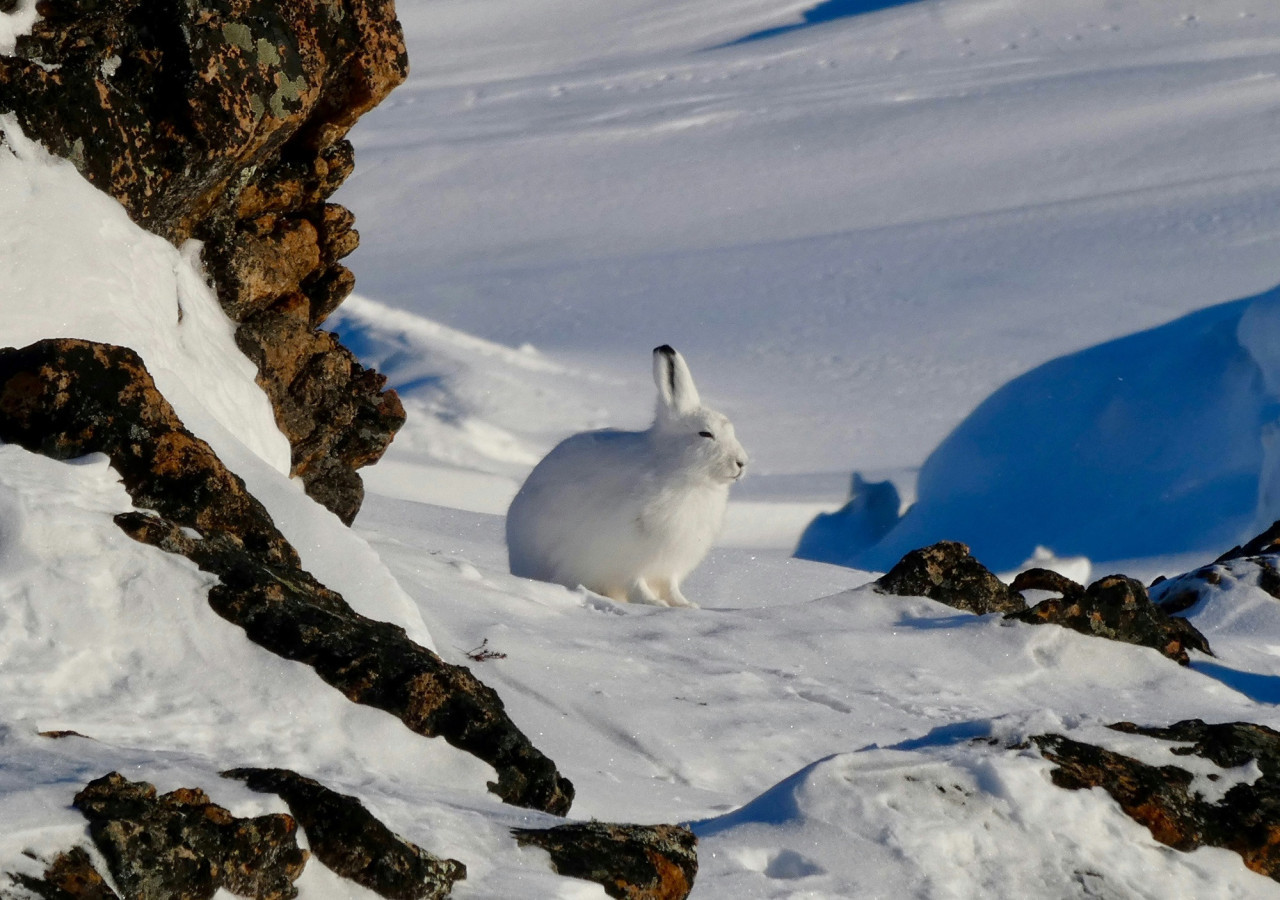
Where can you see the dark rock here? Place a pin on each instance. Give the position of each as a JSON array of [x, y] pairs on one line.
[[71, 876], [1266, 543], [1247, 818], [1047, 580], [1114, 607], [316, 373], [65, 398], [631, 862], [181, 845], [947, 573], [1255, 560], [224, 120], [348, 839]]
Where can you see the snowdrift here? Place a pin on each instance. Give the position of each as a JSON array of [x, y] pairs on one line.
[[1160, 443]]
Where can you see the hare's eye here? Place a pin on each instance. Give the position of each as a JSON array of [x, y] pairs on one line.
[[707, 434]]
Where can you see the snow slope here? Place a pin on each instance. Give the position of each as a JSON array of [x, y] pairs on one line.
[[856, 231]]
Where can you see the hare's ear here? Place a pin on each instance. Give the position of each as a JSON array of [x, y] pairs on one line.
[[676, 393]]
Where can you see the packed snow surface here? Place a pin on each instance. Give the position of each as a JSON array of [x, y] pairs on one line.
[[863, 224]]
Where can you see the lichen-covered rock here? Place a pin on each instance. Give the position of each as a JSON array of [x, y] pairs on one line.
[[946, 572], [1165, 798], [71, 876], [65, 398], [182, 846], [224, 120], [631, 862], [348, 839], [1115, 607]]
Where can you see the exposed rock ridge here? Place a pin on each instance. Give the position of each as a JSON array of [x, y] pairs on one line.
[[224, 121], [66, 398]]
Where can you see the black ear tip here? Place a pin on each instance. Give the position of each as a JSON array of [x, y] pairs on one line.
[[665, 350]]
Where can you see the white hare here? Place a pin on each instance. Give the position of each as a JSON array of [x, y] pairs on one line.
[[628, 514]]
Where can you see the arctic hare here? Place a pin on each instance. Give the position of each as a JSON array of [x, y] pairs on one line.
[[628, 514]]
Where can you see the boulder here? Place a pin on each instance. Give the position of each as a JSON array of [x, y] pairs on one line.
[[946, 572]]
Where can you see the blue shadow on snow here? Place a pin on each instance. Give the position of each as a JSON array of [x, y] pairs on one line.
[[1152, 444], [829, 11], [1259, 688]]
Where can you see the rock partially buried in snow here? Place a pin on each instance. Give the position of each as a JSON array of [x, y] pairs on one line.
[[1254, 560], [181, 845], [348, 839], [1115, 607], [66, 398], [1166, 799], [70, 876], [946, 572], [631, 862]]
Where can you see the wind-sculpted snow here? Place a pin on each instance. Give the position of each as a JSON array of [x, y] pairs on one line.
[[1162, 442]]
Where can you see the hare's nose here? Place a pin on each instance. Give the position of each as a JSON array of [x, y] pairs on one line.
[[742, 463]]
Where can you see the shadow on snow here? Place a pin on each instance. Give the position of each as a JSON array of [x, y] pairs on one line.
[[829, 11], [1162, 442]]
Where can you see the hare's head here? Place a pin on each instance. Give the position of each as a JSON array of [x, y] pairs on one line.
[[702, 439]]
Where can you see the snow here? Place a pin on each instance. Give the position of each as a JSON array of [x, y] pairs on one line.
[[923, 242], [16, 23]]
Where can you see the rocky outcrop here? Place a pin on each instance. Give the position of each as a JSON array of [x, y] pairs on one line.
[[1115, 607], [631, 862], [1168, 801], [224, 121], [348, 839], [946, 572], [66, 398], [182, 846]]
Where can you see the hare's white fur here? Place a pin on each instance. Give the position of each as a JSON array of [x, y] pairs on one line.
[[628, 514]]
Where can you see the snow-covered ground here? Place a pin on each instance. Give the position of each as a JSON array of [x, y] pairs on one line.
[[858, 221]]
